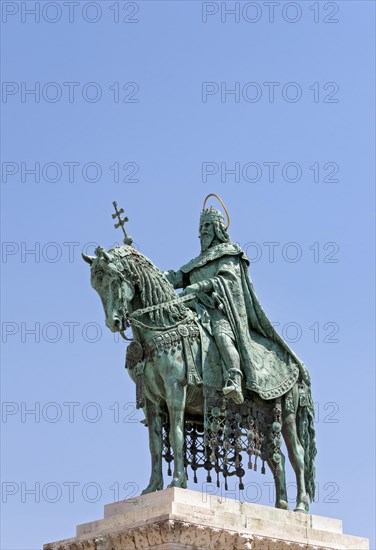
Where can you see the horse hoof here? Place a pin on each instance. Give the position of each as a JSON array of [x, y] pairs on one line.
[[182, 484], [152, 488], [302, 504], [282, 505], [301, 507]]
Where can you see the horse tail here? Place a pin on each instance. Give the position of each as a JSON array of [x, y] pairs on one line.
[[305, 422]]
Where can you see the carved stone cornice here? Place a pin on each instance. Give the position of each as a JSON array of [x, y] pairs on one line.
[[179, 532]]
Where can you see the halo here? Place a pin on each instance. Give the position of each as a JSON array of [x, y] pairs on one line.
[[223, 206]]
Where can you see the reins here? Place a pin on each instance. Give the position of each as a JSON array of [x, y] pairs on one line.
[[139, 312]]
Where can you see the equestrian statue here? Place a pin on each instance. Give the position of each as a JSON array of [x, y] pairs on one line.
[[216, 382]]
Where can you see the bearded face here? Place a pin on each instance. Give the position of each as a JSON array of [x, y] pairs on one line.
[[207, 235]]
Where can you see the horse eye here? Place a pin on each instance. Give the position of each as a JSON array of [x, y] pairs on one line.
[[99, 275]]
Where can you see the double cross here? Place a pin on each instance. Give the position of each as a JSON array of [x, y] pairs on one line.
[[121, 222]]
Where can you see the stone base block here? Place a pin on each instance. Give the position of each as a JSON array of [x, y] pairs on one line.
[[180, 519]]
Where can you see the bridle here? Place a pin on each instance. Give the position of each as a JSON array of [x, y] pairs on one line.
[[132, 318]]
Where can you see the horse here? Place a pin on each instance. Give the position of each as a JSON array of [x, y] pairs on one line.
[[166, 346]]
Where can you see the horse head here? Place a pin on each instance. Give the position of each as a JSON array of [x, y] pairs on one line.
[[109, 277]]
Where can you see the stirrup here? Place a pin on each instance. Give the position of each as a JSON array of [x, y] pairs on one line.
[[233, 390], [234, 393], [230, 383], [230, 379]]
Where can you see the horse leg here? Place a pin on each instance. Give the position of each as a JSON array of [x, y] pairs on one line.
[[280, 483], [175, 399], [294, 447], [153, 415]]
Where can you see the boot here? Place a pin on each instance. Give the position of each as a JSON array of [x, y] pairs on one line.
[[233, 388]]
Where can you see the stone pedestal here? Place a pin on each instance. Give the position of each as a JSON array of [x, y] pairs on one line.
[[180, 519]]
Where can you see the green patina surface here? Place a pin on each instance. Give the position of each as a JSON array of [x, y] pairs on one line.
[[208, 358]]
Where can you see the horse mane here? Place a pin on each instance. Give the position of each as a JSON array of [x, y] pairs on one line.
[[153, 286]]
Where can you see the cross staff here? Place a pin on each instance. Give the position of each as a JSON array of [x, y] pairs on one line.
[[118, 213]]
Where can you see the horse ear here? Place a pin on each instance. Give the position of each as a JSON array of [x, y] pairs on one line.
[[87, 259], [101, 253]]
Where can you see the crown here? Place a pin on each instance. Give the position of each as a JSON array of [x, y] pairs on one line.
[[211, 214]]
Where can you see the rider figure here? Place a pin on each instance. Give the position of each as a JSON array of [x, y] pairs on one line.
[[253, 354], [198, 277]]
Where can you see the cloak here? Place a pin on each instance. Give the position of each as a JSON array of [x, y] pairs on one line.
[[269, 366]]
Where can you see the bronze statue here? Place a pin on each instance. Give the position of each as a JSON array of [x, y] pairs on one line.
[[214, 378], [226, 300]]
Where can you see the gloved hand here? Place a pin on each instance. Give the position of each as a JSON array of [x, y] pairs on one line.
[[202, 286]]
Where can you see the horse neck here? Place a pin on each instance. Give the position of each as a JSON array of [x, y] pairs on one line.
[[148, 327], [140, 302], [163, 284], [141, 333]]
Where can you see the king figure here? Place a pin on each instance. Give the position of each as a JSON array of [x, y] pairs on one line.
[[253, 354]]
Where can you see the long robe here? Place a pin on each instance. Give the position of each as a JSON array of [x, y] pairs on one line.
[[269, 366]]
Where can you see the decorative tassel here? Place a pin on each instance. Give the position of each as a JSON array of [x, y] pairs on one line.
[[139, 391]]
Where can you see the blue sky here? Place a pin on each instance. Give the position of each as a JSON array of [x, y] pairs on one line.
[[141, 111]]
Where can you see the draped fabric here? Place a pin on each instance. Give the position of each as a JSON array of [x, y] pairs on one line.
[[269, 366]]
